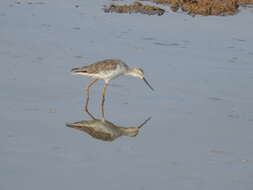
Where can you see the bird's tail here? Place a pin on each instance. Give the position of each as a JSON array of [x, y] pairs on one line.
[[73, 125], [79, 70]]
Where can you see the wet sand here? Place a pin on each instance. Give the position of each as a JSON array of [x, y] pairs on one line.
[[200, 134]]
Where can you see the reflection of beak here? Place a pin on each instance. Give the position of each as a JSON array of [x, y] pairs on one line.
[[141, 125], [148, 84]]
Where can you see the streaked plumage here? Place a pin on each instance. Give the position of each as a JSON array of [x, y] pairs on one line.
[[104, 70], [104, 65]]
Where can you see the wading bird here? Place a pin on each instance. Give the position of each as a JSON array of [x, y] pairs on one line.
[[107, 70]]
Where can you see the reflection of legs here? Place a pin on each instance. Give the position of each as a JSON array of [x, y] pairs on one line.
[[91, 115], [87, 88], [103, 99]]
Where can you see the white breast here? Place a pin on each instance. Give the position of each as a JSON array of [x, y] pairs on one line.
[[112, 74]]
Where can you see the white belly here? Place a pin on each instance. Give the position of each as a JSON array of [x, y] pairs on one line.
[[111, 74]]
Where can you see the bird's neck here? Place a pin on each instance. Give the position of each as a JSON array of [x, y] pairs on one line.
[[130, 131], [130, 72]]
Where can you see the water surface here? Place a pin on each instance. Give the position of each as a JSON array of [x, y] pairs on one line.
[[200, 135]]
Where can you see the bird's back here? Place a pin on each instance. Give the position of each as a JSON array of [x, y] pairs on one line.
[[106, 69], [104, 65]]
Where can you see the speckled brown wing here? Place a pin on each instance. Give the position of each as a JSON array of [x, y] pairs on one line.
[[105, 65], [84, 126], [96, 134]]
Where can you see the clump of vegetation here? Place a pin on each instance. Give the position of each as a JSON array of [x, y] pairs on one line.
[[202, 7], [194, 7], [136, 7], [205, 7]]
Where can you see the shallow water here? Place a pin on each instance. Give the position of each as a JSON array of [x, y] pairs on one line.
[[200, 133]]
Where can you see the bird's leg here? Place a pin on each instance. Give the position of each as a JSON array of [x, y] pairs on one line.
[[91, 115], [87, 88], [103, 99]]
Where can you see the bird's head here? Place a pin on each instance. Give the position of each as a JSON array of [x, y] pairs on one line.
[[139, 73]]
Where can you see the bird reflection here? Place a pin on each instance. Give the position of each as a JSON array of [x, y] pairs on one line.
[[105, 130]]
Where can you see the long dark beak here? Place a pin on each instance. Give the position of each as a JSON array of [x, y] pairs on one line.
[[148, 84], [141, 125]]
